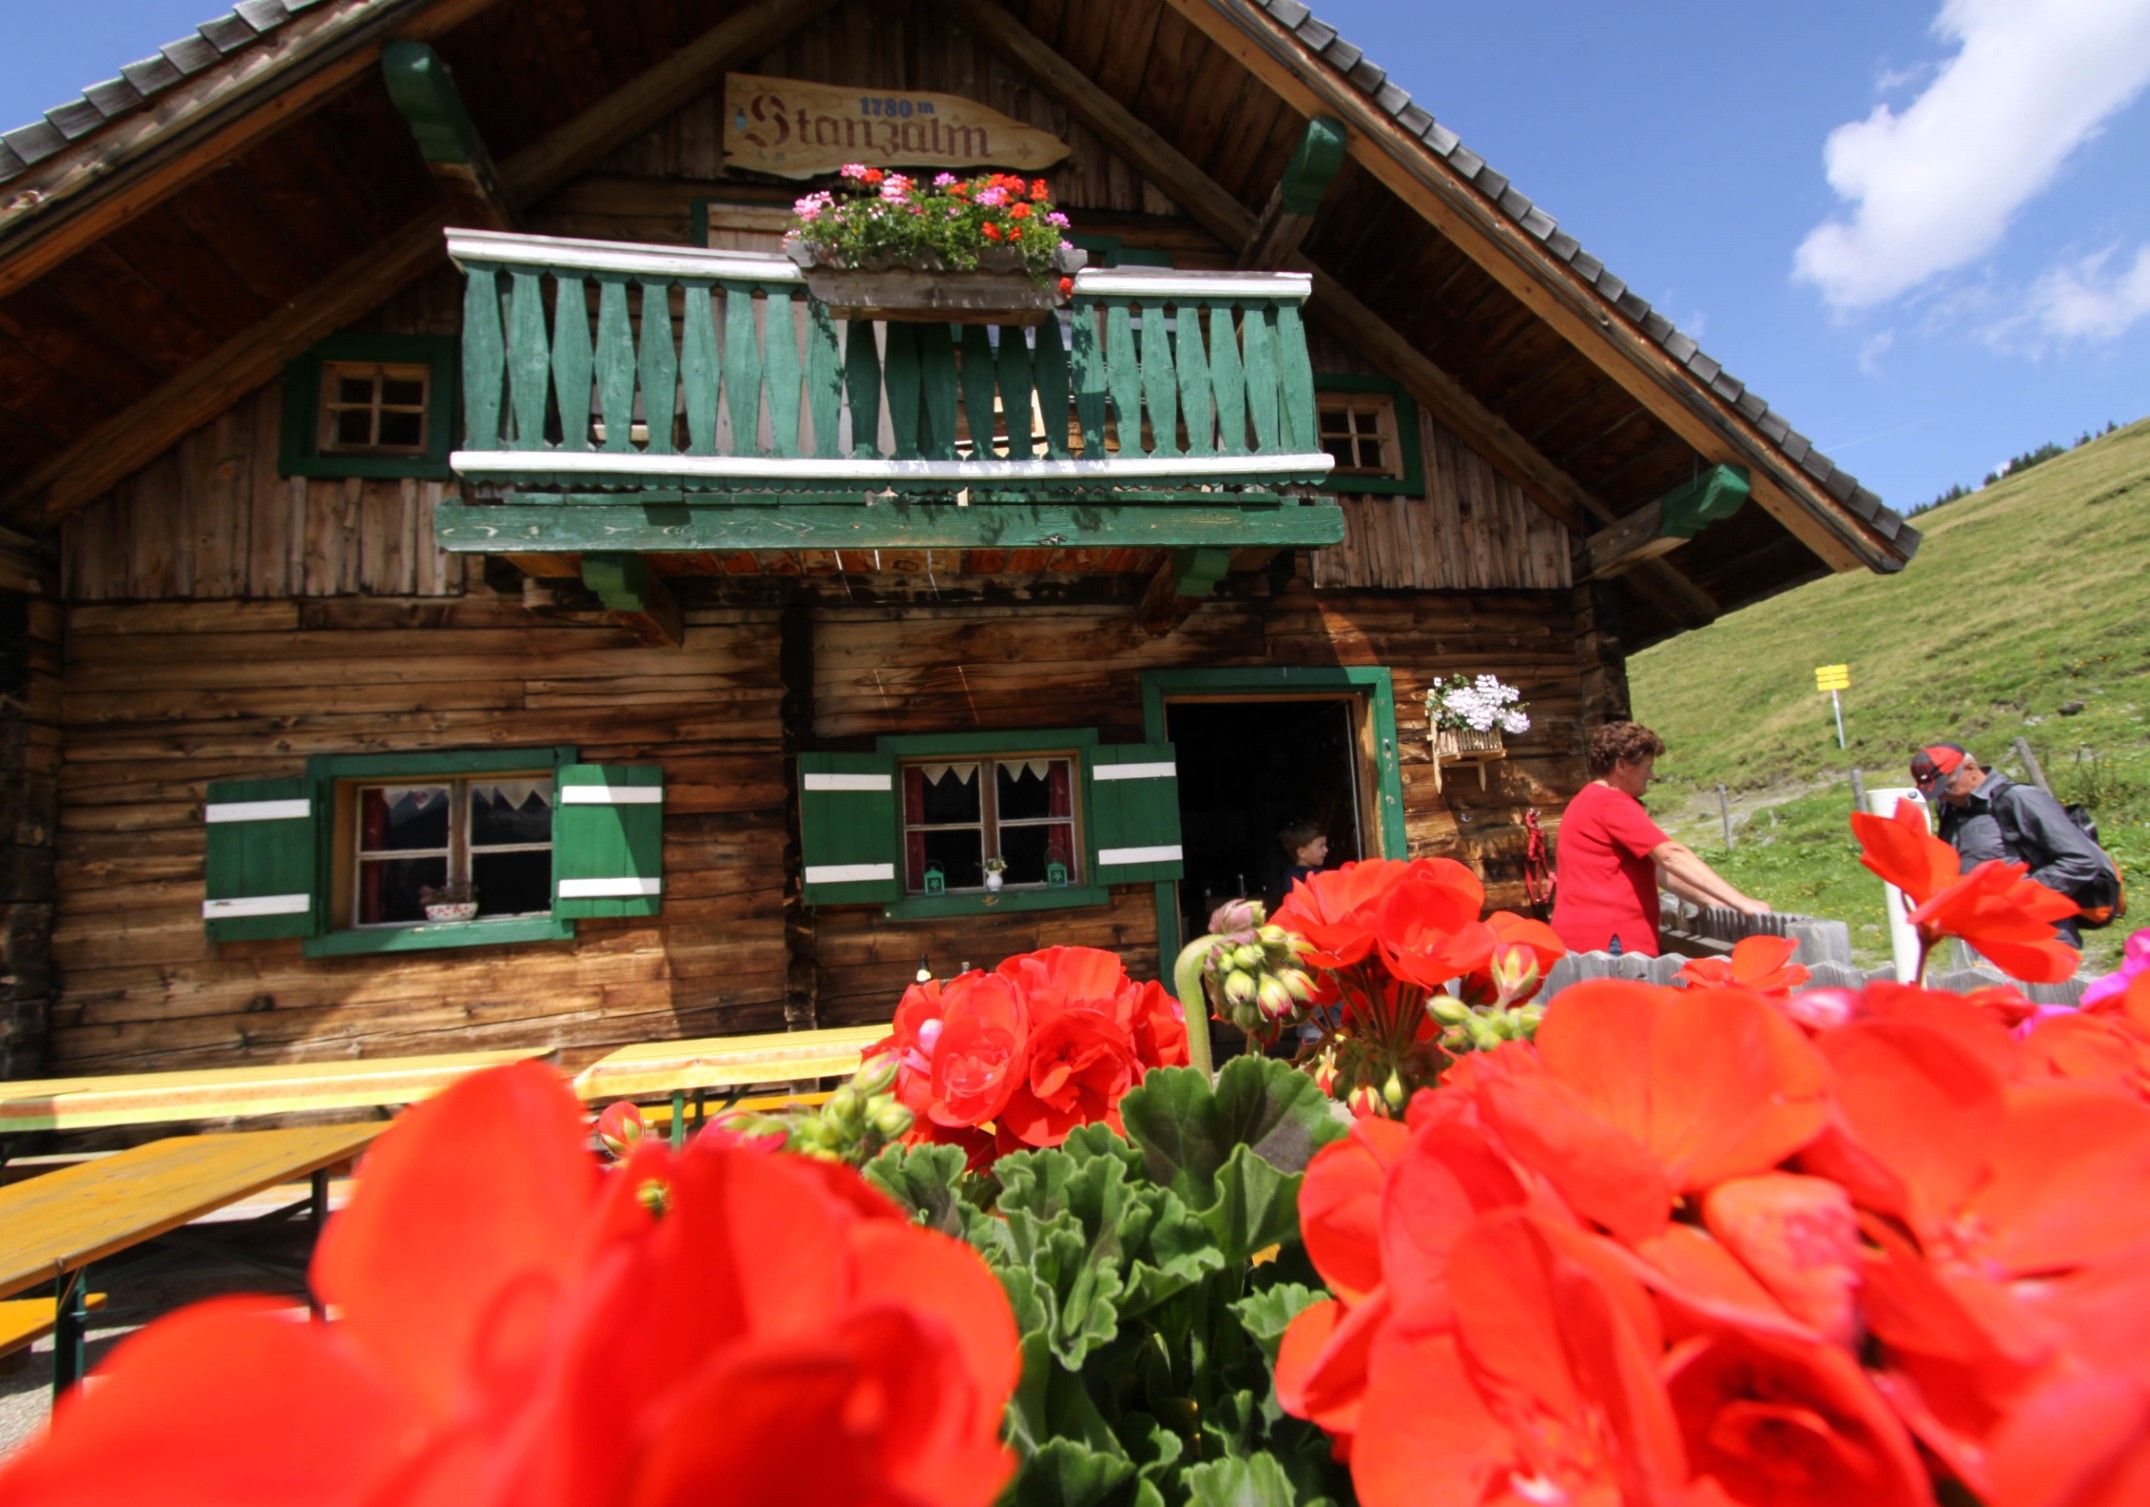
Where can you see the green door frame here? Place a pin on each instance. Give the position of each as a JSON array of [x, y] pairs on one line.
[[1268, 680]]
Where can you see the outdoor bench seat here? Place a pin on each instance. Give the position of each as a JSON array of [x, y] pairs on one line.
[[25, 1321]]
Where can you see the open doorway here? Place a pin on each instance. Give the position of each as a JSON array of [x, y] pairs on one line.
[[1250, 765]]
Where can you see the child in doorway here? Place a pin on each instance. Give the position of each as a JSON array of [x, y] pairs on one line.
[[1307, 846]]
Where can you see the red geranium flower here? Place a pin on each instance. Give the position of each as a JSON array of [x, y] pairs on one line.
[[1019, 212], [990, 231], [1338, 910], [1080, 1065], [1763, 964], [516, 1328], [1994, 908], [1037, 188], [1067, 286]]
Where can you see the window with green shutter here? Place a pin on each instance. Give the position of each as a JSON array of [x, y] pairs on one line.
[[406, 852], [960, 824]]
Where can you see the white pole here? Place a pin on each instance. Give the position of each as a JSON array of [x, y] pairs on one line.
[[1903, 936], [1838, 705]]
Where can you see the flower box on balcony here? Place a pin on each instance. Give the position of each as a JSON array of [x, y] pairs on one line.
[[998, 291]]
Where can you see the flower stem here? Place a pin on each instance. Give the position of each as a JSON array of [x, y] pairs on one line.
[[1194, 1002]]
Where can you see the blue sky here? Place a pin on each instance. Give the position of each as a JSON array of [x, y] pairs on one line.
[[1919, 227]]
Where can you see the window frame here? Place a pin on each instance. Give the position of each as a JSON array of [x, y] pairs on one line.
[[460, 853], [336, 781], [1074, 744], [1410, 457], [990, 822], [306, 384]]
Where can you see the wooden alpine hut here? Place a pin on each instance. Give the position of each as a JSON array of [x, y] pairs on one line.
[[461, 587]]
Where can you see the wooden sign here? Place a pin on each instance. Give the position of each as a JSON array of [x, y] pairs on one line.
[[797, 129]]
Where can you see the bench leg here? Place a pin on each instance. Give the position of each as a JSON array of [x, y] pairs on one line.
[[679, 1118], [701, 1107], [317, 1207], [69, 1329]]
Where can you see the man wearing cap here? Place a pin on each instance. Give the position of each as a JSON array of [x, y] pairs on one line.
[[1984, 814]]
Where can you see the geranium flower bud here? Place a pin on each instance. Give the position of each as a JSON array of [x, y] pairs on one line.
[[655, 1196], [1482, 1033], [877, 1075], [1236, 916], [620, 1127], [1276, 1000], [890, 1118], [1448, 1010], [1297, 984], [1248, 956], [1365, 1100], [1515, 974], [846, 1107], [1392, 1092], [1239, 987], [1325, 1073]]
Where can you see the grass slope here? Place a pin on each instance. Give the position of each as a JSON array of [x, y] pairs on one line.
[[2021, 616]]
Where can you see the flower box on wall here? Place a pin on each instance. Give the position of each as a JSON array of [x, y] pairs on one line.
[[998, 291], [1466, 745]]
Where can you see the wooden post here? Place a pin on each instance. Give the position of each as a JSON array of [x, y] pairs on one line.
[[1724, 812], [2031, 767]]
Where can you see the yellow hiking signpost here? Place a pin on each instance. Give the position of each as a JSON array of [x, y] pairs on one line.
[[1834, 679]]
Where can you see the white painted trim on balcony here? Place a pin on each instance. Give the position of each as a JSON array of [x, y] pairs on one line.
[[1163, 282], [636, 259], [258, 811], [627, 466]]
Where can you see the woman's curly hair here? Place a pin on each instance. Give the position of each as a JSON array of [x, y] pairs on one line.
[[1621, 743]]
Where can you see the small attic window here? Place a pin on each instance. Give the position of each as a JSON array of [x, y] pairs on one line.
[[371, 405], [1369, 427], [369, 408]]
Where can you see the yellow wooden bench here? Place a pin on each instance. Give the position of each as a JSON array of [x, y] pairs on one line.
[[236, 1092], [52, 1227], [723, 1064], [25, 1321]]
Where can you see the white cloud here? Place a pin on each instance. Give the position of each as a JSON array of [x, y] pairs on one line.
[[1935, 186], [1871, 352], [2086, 300]]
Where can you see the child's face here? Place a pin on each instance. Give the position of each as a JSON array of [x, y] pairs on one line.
[[1314, 854]]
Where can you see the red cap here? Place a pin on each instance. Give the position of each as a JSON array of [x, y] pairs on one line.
[[1935, 762]]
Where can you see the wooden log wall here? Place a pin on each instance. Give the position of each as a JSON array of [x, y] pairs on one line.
[[160, 699], [30, 629], [920, 668]]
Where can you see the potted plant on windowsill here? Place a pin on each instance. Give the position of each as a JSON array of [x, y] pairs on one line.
[[457, 900], [985, 250], [994, 867], [1467, 718]]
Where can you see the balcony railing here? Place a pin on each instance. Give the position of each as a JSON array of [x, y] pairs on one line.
[[595, 367]]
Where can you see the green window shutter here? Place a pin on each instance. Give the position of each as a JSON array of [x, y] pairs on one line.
[[260, 859], [608, 841], [849, 839], [1134, 813]]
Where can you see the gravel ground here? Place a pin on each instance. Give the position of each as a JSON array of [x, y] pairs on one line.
[[198, 1262]]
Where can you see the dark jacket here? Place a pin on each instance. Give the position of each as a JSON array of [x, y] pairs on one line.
[[2022, 824]]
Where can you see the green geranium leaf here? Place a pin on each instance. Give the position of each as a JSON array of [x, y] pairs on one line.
[[1186, 1130], [1256, 1206], [1268, 1313], [1052, 1404], [926, 1182], [1064, 1473], [1255, 1481]]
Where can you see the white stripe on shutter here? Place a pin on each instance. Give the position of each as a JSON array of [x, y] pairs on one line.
[[607, 889], [612, 795], [257, 905], [1113, 857], [257, 811], [848, 873], [1164, 771], [849, 782]]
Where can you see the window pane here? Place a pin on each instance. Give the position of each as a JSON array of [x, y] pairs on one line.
[[509, 811], [402, 817], [354, 390], [405, 392], [958, 854], [1370, 455], [354, 426], [388, 888], [1023, 789], [405, 429], [951, 798], [1029, 849], [1341, 450], [512, 884], [1335, 421]]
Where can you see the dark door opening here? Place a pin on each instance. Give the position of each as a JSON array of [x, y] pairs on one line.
[[1249, 766]]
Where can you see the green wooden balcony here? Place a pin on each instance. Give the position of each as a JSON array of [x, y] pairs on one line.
[[1170, 408]]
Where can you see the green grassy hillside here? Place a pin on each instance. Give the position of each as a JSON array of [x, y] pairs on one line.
[[2023, 615]]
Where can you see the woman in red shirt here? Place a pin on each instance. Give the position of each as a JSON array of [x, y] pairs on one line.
[[1613, 857]]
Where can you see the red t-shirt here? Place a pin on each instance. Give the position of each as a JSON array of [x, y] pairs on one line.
[[1607, 884]]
